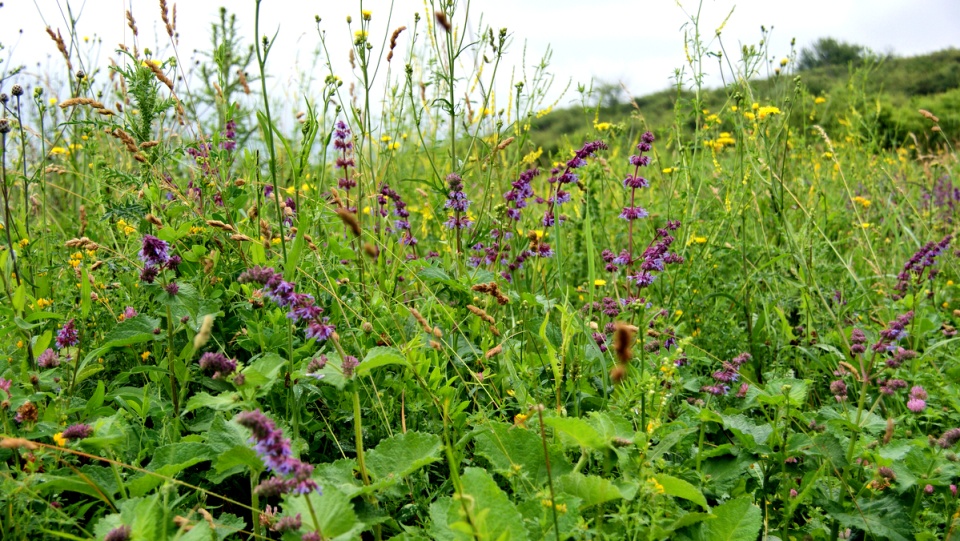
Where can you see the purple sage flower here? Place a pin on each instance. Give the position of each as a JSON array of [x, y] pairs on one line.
[[154, 251], [217, 364], [77, 431], [67, 335], [48, 359]]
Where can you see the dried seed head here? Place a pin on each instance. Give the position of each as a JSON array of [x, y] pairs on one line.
[[496, 350], [4, 126], [618, 373], [443, 21], [888, 434], [350, 219], [17, 91], [623, 337], [203, 335]]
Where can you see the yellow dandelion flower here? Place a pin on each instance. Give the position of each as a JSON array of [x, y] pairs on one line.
[[749, 116], [58, 151], [599, 283], [366, 14]]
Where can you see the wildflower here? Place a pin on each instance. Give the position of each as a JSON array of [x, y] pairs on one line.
[[218, 364], [27, 413], [154, 251], [59, 439], [895, 331], [172, 289], [839, 390], [275, 452], [729, 373], [457, 202], [953, 490], [48, 359], [917, 401], [120, 533], [949, 438], [857, 339], [67, 335], [348, 364], [744, 387], [519, 194], [923, 259], [316, 365], [5, 386], [567, 176], [793, 493], [77, 432], [311, 536], [129, 312], [320, 330]]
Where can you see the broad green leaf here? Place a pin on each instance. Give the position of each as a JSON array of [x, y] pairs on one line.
[[674, 486], [737, 520], [492, 514], [168, 461], [334, 512], [578, 431], [513, 450], [591, 489], [222, 402], [668, 442], [883, 518], [400, 455], [377, 357]]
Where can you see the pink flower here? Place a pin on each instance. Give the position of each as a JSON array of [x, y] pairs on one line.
[[916, 405]]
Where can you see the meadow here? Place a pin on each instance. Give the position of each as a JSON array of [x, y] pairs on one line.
[[404, 308]]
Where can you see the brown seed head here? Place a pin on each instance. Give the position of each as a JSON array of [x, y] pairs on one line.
[[623, 337]]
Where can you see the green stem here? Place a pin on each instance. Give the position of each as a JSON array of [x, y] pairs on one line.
[[171, 365]]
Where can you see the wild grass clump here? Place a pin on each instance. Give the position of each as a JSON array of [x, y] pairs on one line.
[[385, 312]]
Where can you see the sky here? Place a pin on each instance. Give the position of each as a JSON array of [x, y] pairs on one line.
[[637, 44]]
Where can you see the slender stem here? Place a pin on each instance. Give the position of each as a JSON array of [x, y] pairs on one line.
[[546, 458], [171, 365], [358, 437]]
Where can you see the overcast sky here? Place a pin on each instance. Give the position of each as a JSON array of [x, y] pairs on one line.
[[636, 43]]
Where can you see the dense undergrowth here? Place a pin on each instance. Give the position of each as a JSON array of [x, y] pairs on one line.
[[388, 313]]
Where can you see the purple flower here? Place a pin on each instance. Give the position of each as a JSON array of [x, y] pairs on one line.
[[5, 386], [77, 432], [154, 251], [217, 364], [120, 533], [67, 335], [320, 330], [633, 213], [348, 364], [149, 274], [923, 259], [457, 202], [271, 446], [949, 438], [48, 359], [129, 313], [172, 289], [310, 536], [288, 524]]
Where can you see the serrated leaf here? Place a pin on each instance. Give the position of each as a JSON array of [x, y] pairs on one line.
[[674, 486], [737, 520], [492, 514], [334, 513], [400, 455], [169, 460], [591, 489], [516, 450], [883, 518], [377, 357], [668, 442]]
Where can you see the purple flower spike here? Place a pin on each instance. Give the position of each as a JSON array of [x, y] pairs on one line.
[[67, 335], [217, 364]]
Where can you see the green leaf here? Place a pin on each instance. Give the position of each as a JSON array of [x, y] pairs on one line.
[[668, 442], [333, 510], [749, 433], [400, 455], [492, 514], [674, 486], [168, 461], [591, 489], [222, 402], [518, 450], [377, 357], [577, 430], [737, 520], [883, 518]]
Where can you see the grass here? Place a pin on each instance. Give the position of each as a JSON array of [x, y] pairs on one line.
[[395, 311]]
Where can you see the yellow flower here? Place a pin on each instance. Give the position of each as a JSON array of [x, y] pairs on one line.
[[734, 108], [44, 303], [520, 418], [602, 126], [749, 116], [764, 112], [53, 101], [394, 146], [599, 283], [755, 106], [145, 355], [667, 170], [819, 100], [865, 203], [366, 14], [359, 37], [19, 344], [59, 439], [657, 487], [678, 313], [385, 138], [59, 151], [24, 243], [533, 156]]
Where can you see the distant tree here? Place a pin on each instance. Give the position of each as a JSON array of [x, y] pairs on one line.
[[830, 52]]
